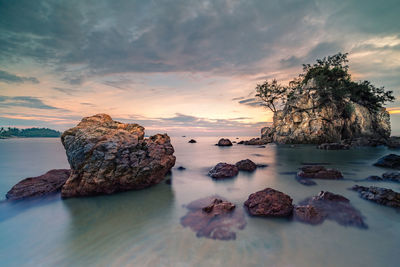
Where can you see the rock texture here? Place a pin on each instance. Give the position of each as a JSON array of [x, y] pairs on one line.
[[223, 170], [214, 218], [307, 119], [224, 142], [379, 195], [319, 172], [269, 202], [386, 177], [107, 156], [327, 205], [391, 161], [42, 185], [246, 165]]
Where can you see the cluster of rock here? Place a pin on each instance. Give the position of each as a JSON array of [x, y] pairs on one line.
[[383, 196], [254, 142], [307, 119], [214, 217], [225, 170], [319, 172], [387, 176]]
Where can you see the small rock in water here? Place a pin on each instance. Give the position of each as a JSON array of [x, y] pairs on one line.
[[224, 142], [319, 172], [383, 196], [269, 202], [181, 168], [214, 218], [246, 165], [391, 176], [261, 165], [241, 142], [261, 146], [305, 181], [389, 161], [223, 170], [48, 183], [330, 206], [192, 141]]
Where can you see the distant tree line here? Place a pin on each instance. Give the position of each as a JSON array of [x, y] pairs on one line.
[[29, 132]]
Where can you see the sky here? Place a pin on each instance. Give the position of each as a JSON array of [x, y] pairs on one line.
[[184, 66]]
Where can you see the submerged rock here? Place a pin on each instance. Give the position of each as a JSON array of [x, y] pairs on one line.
[[214, 218], [319, 172], [223, 170], [107, 156], [391, 161], [192, 141], [48, 183], [224, 142], [305, 181], [269, 202], [246, 165], [333, 146], [383, 196], [327, 205]]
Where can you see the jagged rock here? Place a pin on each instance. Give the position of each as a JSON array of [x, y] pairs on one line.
[[108, 156], [327, 205], [192, 141], [246, 165], [307, 119], [391, 161], [269, 202], [214, 218], [319, 172], [224, 142], [223, 170], [267, 133], [383, 196], [333, 146], [48, 183]]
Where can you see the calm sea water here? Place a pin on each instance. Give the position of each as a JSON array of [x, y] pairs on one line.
[[142, 228]]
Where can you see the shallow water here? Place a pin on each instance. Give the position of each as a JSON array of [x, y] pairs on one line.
[[142, 228]]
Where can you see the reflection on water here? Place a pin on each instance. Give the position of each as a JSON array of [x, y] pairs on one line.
[[142, 228]]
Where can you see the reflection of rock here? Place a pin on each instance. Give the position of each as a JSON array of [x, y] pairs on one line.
[[214, 217], [379, 195], [269, 202], [326, 205], [223, 170], [391, 161], [107, 156], [246, 165], [387, 176], [319, 172], [192, 141], [42, 185], [224, 142], [333, 146]]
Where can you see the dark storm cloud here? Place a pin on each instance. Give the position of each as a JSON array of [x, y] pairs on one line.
[[23, 101], [12, 78]]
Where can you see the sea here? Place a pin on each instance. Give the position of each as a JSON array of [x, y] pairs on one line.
[[142, 228]]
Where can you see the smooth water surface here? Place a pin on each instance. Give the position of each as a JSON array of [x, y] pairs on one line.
[[142, 228]]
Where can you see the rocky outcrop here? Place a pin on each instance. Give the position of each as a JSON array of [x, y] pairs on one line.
[[383, 196], [48, 183], [306, 118], [391, 161], [224, 142], [327, 205], [319, 172], [246, 165], [107, 156], [223, 170], [269, 202], [214, 218]]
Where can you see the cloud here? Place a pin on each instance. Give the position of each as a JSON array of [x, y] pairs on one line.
[[12, 78], [252, 102], [23, 101]]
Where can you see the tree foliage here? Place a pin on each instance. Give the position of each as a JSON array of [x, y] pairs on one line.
[[30, 132], [331, 79]]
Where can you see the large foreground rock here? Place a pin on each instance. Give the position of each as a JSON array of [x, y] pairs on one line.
[[107, 156], [269, 202], [48, 183], [223, 170], [327, 205], [214, 217], [391, 161], [379, 195], [319, 172]]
